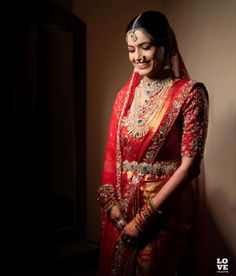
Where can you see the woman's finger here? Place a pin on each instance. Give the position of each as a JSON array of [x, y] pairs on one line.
[[120, 224]]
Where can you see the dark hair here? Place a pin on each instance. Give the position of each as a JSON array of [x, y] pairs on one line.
[[156, 25], [153, 23]]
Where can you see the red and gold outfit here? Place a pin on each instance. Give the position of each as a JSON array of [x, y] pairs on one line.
[[135, 169]]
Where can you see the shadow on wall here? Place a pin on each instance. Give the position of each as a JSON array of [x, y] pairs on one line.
[[217, 246]]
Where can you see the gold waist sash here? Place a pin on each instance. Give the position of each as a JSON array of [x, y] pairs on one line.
[[160, 169]]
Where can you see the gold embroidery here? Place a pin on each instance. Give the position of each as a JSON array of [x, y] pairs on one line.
[[167, 122], [195, 124], [118, 142], [161, 169], [106, 197], [149, 189], [120, 248]]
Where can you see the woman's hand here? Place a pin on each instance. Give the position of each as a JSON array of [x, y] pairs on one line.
[[130, 234], [117, 218], [130, 230]]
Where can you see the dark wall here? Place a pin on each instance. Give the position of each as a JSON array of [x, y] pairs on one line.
[[44, 79]]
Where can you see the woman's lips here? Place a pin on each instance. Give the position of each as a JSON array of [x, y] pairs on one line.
[[142, 66]]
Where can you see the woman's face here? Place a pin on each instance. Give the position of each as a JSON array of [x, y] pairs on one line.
[[143, 54]]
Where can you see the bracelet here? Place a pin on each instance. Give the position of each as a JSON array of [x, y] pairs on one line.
[[138, 227], [106, 197], [146, 215], [154, 209], [107, 208], [143, 218]]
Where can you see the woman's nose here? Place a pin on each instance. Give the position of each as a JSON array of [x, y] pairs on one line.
[[137, 56], [140, 59]]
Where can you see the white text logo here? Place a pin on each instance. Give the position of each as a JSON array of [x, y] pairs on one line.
[[222, 265]]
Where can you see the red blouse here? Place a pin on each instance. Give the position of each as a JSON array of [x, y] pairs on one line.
[[186, 137]]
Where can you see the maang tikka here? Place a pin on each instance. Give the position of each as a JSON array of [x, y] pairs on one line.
[[133, 29], [133, 36]]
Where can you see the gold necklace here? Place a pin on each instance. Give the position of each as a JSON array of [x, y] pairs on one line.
[[152, 88], [141, 115]]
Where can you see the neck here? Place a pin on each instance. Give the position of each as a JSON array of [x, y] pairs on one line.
[[164, 74]]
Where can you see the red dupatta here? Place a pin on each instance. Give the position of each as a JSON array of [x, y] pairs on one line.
[[111, 166]]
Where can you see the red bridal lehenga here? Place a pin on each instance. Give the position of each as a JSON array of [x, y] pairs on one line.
[[142, 153]]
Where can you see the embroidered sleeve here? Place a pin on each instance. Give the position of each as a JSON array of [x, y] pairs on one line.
[[195, 122], [106, 197]]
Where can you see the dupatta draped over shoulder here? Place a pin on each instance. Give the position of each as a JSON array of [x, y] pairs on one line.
[[135, 169]]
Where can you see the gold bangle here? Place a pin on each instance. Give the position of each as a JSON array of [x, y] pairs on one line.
[[109, 206], [155, 209]]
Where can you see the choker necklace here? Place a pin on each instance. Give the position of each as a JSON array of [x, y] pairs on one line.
[[151, 89]]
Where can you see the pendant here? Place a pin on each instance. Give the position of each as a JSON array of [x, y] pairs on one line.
[[133, 36]]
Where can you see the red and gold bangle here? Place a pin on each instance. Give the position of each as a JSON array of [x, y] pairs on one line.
[[107, 208], [106, 197], [146, 215]]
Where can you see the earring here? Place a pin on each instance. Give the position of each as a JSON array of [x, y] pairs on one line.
[[167, 66]]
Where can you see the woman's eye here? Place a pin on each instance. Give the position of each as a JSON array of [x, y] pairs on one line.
[[146, 47], [130, 51]]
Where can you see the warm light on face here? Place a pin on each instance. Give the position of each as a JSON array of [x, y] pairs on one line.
[[142, 53]]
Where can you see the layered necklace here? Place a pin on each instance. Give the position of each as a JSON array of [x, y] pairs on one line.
[[143, 112], [152, 88]]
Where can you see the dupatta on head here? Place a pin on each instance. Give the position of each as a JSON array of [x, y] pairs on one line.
[[178, 66]]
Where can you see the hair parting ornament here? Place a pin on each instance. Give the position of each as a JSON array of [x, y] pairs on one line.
[[133, 29]]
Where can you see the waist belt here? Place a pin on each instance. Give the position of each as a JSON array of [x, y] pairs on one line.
[[164, 168]]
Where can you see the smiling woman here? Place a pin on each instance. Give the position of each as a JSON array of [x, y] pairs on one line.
[[155, 145], [143, 53]]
